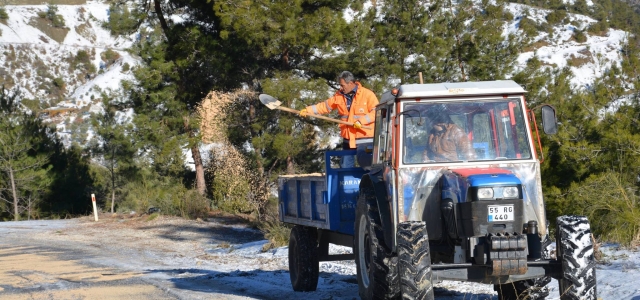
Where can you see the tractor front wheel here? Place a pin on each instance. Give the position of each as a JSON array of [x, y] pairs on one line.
[[575, 251], [414, 261]]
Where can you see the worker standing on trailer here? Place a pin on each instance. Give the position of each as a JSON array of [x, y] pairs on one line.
[[355, 104]]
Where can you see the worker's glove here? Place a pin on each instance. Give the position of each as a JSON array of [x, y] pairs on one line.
[[304, 112], [357, 125]]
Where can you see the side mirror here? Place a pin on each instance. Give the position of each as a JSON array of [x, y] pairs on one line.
[[549, 122]]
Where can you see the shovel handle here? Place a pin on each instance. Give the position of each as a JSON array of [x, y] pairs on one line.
[[319, 117]]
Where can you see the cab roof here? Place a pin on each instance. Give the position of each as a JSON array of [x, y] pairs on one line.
[[449, 89]]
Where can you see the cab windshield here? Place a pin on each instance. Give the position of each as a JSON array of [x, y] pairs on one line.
[[464, 131]]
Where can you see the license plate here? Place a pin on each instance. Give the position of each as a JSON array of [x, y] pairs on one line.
[[500, 213]]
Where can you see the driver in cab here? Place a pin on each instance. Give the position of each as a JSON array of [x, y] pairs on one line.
[[447, 142]]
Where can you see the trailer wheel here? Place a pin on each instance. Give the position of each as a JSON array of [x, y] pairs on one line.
[[304, 266], [376, 268], [575, 251], [414, 261]]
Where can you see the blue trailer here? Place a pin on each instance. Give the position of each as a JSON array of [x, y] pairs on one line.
[[324, 201]]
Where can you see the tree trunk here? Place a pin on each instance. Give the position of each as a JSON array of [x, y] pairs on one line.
[[16, 215], [163, 22], [290, 169], [197, 159]]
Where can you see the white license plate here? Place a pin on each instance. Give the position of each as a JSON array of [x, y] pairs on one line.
[[500, 213]]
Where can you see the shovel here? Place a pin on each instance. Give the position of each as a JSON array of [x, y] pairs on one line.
[[273, 103]]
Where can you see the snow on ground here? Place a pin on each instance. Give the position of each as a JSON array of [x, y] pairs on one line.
[[618, 275], [200, 259]]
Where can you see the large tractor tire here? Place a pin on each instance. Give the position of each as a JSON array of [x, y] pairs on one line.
[[377, 271], [304, 266], [531, 289], [575, 251], [414, 261]]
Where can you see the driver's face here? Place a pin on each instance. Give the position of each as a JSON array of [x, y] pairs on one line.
[[346, 87], [439, 126]]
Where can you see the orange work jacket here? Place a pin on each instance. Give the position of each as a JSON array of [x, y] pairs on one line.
[[362, 109]]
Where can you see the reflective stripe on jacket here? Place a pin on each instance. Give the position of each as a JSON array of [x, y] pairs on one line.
[[362, 109]]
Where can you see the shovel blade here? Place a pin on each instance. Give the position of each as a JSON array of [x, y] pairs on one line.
[[269, 101]]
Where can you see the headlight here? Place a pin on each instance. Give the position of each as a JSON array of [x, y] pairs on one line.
[[510, 192], [485, 193]]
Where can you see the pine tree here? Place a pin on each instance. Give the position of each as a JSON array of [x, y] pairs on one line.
[[114, 149], [25, 171]]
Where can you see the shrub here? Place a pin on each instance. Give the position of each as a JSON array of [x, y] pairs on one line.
[[556, 16], [579, 36], [598, 28], [109, 56], [125, 67], [165, 193], [609, 201], [58, 82], [52, 14], [3, 15], [276, 232], [528, 26], [121, 20]]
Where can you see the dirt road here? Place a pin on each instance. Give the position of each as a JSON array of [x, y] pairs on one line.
[[163, 258]]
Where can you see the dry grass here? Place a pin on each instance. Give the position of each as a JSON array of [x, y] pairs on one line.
[[45, 25], [535, 46], [86, 31], [578, 61]]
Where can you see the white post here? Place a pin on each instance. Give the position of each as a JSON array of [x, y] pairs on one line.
[[95, 209]]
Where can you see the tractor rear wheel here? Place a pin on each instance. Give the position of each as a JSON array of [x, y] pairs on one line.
[[575, 251], [304, 266]]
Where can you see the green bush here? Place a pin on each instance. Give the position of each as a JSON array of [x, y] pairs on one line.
[[608, 200], [52, 14], [58, 82], [3, 15], [58, 21], [579, 36], [125, 67], [109, 56], [167, 194], [275, 231], [598, 28], [556, 17], [121, 20], [528, 26]]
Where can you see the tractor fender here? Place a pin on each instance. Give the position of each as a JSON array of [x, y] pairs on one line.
[[374, 180]]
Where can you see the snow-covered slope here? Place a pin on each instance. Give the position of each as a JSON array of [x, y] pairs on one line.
[[34, 45], [595, 55], [43, 62]]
